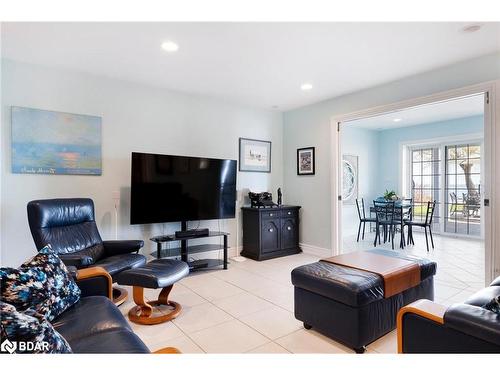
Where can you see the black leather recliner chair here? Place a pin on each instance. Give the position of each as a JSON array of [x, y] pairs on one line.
[[428, 327], [68, 225]]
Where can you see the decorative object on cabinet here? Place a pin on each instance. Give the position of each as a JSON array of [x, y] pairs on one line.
[[48, 142], [270, 232], [255, 155], [280, 197], [306, 161], [263, 199], [350, 179]]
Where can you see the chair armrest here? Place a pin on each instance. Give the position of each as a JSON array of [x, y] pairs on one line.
[[77, 260], [122, 246], [72, 271], [423, 307], [474, 321], [95, 281], [167, 350]]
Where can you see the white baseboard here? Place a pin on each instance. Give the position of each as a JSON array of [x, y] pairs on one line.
[[315, 250], [234, 251], [308, 249]]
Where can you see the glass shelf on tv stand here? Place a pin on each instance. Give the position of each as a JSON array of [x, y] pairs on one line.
[[184, 250]]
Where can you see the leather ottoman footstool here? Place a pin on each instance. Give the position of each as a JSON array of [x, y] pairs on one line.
[[349, 304], [159, 273]]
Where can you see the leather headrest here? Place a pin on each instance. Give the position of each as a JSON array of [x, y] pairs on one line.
[[46, 213]]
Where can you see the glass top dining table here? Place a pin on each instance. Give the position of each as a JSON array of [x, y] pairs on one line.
[[400, 203]]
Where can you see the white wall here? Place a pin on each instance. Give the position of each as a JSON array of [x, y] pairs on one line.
[[310, 126], [365, 144], [134, 118]]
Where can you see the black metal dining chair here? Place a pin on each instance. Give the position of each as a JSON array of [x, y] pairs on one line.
[[384, 214], [362, 218], [423, 224], [402, 215]]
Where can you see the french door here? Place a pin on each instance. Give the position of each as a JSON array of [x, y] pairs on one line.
[[450, 174], [463, 189], [425, 182]]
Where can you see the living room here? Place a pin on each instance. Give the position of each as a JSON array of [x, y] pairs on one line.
[[177, 182]]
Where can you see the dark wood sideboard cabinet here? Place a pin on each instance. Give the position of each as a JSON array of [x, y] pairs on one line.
[[270, 232]]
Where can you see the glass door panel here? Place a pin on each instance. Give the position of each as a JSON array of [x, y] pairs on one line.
[[463, 189], [425, 183]]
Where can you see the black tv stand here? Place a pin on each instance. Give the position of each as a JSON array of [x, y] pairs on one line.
[[184, 250], [203, 232]]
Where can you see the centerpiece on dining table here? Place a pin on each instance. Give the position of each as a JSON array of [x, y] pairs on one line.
[[391, 195]]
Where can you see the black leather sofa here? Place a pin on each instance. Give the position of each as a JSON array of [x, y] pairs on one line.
[[95, 324], [428, 327]]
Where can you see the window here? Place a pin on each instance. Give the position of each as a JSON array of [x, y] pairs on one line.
[[463, 189], [425, 182]]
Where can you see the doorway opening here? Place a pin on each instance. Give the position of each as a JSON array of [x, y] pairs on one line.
[[429, 160]]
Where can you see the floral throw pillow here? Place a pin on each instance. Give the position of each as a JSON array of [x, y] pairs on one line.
[[42, 284], [493, 305], [29, 333]]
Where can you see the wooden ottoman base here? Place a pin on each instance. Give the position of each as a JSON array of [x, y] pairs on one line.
[[143, 312], [119, 295]]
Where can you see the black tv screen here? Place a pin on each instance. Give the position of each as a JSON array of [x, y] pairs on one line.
[[167, 188]]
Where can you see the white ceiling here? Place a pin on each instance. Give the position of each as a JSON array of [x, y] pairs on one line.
[[256, 64], [435, 112]]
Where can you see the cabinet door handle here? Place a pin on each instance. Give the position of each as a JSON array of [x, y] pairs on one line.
[[270, 214], [289, 228], [289, 213], [271, 230]]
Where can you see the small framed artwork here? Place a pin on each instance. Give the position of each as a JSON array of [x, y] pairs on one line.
[[255, 155], [306, 161]]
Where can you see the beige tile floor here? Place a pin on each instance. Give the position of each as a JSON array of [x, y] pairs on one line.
[[249, 307]]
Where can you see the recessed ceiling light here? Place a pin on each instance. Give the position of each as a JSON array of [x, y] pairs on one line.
[[471, 28], [397, 120], [169, 46], [306, 86]]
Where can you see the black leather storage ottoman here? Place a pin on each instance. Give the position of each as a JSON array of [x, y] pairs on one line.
[[348, 304]]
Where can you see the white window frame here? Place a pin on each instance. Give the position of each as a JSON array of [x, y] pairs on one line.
[[440, 143]]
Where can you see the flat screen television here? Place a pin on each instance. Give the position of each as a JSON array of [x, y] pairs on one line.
[[169, 188]]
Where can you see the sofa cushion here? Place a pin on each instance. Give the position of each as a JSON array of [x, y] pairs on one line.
[[110, 341], [483, 296], [91, 315], [474, 321], [29, 332], [42, 283], [117, 263]]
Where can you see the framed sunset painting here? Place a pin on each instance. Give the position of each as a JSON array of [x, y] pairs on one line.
[[48, 142]]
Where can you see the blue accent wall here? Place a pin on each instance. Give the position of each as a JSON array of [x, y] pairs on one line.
[[389, 142], [379, 158]]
